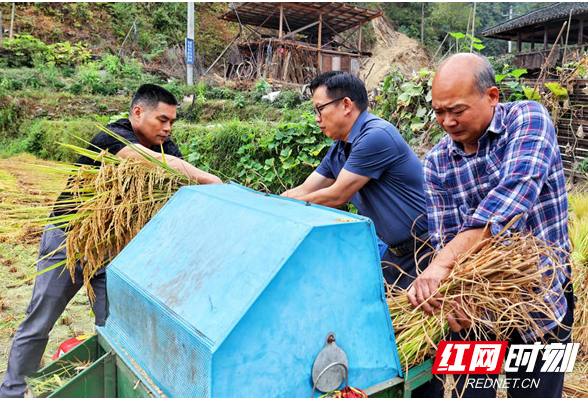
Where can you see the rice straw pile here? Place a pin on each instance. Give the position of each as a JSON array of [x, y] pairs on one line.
[[497, 288], [111, 204]]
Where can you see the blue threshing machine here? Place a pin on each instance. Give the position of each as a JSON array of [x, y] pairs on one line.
[[228, 292]]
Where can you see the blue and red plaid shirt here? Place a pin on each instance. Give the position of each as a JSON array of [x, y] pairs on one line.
[[516, 170]]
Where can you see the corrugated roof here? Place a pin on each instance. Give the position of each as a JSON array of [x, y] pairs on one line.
[[549, 13], [338, 16]]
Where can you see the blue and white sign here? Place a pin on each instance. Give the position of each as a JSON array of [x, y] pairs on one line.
[[189, 51]]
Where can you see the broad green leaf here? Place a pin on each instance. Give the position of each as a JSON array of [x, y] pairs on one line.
[[556, 89], [290, 162], [404, 98], [406, 86], [457, 35], [518, 72], [530, 94]]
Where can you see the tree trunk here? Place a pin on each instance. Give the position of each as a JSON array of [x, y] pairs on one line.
[[12, 20]]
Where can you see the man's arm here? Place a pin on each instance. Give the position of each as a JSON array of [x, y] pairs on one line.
[[336, 194], [429, 280], [314, 182], [176, 163]]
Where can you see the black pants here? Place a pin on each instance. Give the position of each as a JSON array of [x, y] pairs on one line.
[[408, 264], [550, 384]]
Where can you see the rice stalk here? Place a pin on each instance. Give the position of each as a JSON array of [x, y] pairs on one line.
[[578, 203], [578, 230], [497, 287], [574, 391], [109, 205], [123, 199], [47, 384]]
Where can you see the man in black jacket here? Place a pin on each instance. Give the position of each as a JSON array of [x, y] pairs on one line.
[[152, 114]]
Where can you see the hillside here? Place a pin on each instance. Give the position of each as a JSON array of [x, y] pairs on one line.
[[154, 33], [151, 32]]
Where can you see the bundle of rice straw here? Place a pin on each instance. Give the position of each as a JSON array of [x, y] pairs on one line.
[[497, 288], [111, 204]]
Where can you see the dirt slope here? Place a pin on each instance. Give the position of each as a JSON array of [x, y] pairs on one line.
[[392, 48]]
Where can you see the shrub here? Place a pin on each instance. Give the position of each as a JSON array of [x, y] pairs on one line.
[[215, 147], [176, 89], [11, 113], [24, 47], [76, 88], [111, 64], [287, 99], [88, 76], [221, 92], [41, 137], [257, 154], [133, 69]]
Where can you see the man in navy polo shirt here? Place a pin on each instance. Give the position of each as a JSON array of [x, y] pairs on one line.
[[371, 166]]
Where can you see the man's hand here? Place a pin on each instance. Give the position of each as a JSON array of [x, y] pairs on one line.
[[430, 279], [427, 284], [183, 167], [460, 320]]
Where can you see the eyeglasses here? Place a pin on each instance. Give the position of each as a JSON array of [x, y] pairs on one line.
[[317, 110]]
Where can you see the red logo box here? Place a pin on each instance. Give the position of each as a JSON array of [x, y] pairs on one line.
[[475, 357]]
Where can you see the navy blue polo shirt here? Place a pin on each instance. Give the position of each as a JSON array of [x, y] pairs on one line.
[[393, 198]]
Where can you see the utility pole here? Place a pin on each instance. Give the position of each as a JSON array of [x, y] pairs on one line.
[[190, 46]]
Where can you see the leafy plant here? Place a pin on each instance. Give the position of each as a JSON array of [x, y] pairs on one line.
[[132, 69], [406, 103], [291, 154], [239, 101], [465, 45], [112, 64], [510, 80], [287, 99], [66, 54], [261, 88], [24, 47], [88, 76]]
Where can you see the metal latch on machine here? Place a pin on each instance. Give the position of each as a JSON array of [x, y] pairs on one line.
[[330, 367]]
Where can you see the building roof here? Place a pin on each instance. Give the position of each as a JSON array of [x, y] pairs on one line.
[[338, 16], [554, 12]]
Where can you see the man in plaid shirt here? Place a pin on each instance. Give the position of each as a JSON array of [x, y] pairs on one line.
[[497, 161]]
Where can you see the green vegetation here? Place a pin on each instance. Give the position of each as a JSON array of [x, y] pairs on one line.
[[443, 17]]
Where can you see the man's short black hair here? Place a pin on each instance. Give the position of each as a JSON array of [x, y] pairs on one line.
[[342, 84], [150, 96]]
